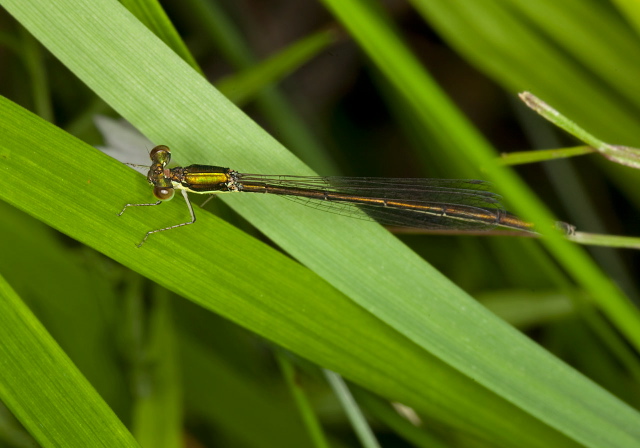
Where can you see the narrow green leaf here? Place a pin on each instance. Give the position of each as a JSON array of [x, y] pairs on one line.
[[542, 155], [43, 388], [504, 39], [157, 417], [358, 421], [251, 283], [244, 86], [56, 282], [150, 13], [407, 76], [303, 404], [288, 126], [34, 63], [218, 267], [594, 239], [623, 155]]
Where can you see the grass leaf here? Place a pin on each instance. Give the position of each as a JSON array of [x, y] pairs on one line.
[[384, 318], [43, 388]]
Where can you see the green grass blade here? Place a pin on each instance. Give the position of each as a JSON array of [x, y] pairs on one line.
[[225, 271], [404, 72], [157, 415], [259, 288], [43, 388], [623, 155], [430, 105], [356, 418], [543, 155], [509, 45], [288, 126], [34, 64], [56, 281], [594, 239], [506, 41], [150, 13], [303, 403], [516, 54], [244, 86]]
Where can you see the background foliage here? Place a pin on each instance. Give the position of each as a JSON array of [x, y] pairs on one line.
[[350, 87]]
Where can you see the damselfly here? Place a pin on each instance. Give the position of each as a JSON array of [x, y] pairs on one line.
[[422, 203]]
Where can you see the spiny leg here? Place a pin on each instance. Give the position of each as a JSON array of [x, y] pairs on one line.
[[138, 205], [193, 219]]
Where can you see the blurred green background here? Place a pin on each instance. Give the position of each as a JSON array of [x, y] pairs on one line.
[[307, 72]]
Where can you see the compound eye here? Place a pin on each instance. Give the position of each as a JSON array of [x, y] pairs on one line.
[[160, 154], [163, 193]]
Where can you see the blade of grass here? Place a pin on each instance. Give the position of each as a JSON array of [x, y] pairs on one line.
[[409, 78], [157, 419], [56, 286], [286, 122], [358, 421], [542, 155], [34, 64], [150, 13], [252, 284], [303, 405], [245, 85], [577, 29], [405, 73], [594, 239], [620, 154], [43, 388], [506, 42], [385, 278]]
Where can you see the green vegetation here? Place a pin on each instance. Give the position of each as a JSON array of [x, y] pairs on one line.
[[160, 332]]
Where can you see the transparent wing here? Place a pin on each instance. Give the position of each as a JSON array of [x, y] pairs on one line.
[[410, 202]]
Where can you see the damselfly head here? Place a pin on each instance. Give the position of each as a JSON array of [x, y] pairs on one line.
[[157, 175]]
